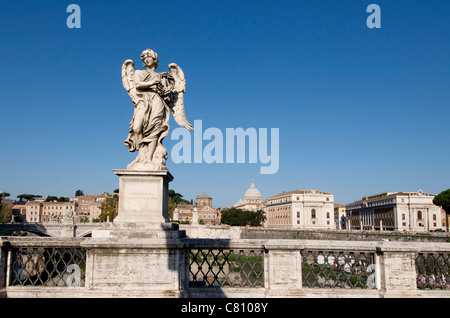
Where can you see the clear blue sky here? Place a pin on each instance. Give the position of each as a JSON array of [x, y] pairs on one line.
[[360, 111]]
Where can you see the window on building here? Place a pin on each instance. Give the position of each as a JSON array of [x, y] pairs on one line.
[[313, 214], [419, 215]]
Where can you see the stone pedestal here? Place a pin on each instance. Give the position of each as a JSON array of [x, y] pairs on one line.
[[143, 196], [140, 254], [136, 267], [143, 207]]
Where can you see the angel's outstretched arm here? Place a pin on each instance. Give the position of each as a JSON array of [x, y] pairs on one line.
[[145, 85]]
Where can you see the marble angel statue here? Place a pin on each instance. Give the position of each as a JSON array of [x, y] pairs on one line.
[[155, 96]]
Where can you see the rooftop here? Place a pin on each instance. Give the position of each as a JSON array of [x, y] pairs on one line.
[[313, 191]]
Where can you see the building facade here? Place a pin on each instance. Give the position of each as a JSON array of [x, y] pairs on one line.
[[88, 206], [84, 208], [396, 211], [183, 213], [309, 209], [202, 212], [19, 212], [340, 216], [41, 211], [206, 213]]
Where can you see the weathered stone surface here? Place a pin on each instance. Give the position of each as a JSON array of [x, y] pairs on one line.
[[400, 271], [159, 267], [140, 230], [143, 196], [281, 262]]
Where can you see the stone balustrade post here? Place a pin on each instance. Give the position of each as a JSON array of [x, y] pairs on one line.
[[397, 273], [3, 267], [283, 270]]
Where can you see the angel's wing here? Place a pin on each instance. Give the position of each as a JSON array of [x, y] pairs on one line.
[[177, 96], [128, 78]]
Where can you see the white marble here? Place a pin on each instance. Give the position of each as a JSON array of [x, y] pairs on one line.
[[143, 196]]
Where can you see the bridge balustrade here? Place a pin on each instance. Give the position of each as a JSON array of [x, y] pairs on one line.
[[38, 267]]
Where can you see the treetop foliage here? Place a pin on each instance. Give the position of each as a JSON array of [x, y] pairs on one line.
[[238, 217], [443, 200]]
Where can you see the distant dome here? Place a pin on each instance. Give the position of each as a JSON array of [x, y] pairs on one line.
[[252, 193]]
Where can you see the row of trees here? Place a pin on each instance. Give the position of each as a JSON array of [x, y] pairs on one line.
[[238, 217], [24, 198]]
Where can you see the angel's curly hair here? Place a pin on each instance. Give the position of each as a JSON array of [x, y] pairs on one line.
[[151, 53]]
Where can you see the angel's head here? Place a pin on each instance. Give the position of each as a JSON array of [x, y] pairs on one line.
[[149, 58]]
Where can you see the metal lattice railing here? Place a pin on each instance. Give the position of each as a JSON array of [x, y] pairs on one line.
[[338, 269], [226, 268], [433, 271], [39, 266]]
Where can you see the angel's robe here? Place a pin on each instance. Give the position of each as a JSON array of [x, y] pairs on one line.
[[155, 124]]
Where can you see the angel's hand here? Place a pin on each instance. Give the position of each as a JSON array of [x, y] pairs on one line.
[[144, 85]]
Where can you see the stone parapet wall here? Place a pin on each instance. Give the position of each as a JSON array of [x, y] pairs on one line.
[[139, 267], [224, 231]]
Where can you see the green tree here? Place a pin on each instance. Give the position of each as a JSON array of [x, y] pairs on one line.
[[233, 217], [4, 195], [256, 218], [5, 213], [109, 208], [79, 193], [51, 198], [443, 200], [238, 217], [175, 198], [28, 197], [171, 208]]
